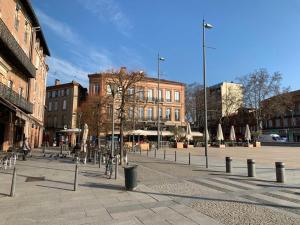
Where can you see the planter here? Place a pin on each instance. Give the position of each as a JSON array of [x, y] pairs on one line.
[[249, 145], [179, 145], [221, 146], [188, 146], [257, 144], [144, 146]]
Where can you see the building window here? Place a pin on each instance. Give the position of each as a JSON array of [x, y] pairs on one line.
[[141, 94], [10, 84], [53, 94], [141, 113], [68, 92], [97, 89], [64, 104], [54, 121], [49, 94], [150, 94], [285, 122], [130, 112], [160, 95], [50, 107], [26, 32], [168, 114], [108, 90], [277, 122], [150, 113], [55, 106], [62, 92], [270, 124], [177, 114], [160, 113], [17, 16], [168, 95], [176, 96], [20, 91]]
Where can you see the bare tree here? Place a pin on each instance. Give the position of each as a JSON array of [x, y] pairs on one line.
[[93, 114], [194, 104], [125, 83], [257, 87]]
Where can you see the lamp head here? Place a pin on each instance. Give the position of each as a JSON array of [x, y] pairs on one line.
[[208, 26], [161, 58]]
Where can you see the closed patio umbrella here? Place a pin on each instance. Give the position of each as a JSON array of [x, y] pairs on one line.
[[84, 139], [232, 134], [207, 135], [188, 133], [247, 134], [220, 136]]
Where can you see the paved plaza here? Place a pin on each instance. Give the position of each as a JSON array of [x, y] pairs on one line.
[[168, 192]]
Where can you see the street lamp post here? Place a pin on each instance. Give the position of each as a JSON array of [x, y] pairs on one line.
[[293, 124], [158, 99], [205, 26]]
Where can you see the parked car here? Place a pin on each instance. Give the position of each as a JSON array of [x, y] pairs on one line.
[[271, 138]]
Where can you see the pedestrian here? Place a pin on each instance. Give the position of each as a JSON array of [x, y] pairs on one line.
[[26, 148]]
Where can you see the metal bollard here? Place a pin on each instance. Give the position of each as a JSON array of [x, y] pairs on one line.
[[76, 178], [99, 155], [13, 183], [280, 172], [228, 164], [175, 156], [154, 153], [251, 167], [189, 158], [95, 158], [5, 164], [164, 154], [116, 167]]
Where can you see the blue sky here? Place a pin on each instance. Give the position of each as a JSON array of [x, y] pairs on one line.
[[85, 36]]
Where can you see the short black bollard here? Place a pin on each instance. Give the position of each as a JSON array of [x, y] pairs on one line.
[[76, 178], [155, 153], [13, 183], [164, 154], [189, 158], [228, 164], [280, 172], [251, 167], [175, 156]]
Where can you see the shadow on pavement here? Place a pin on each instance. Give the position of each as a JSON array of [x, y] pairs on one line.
[[104, 186], [51, 187]]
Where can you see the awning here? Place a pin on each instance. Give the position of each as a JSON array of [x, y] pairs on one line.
[[74, 130]]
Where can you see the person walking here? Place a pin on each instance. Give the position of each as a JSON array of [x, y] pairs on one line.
[[26, 148]]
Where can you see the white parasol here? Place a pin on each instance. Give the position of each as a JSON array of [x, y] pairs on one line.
[[232, 134], [220, 136]]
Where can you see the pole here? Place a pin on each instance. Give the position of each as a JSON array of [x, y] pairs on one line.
[[205, 97], [133, 118], [76, 178], [189, 158], [293, 125], [13, 183], [158, 100]]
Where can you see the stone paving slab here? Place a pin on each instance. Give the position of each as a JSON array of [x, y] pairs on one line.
[[98, 200]]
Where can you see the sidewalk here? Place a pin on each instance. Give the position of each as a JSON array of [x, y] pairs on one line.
[[44, 195]]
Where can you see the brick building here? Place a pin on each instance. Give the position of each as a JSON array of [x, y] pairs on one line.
[[23, 74], [62, 104], [171, 95]]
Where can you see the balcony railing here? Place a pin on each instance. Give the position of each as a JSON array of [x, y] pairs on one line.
[[13, 97]]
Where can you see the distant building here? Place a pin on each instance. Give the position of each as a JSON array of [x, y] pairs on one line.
[[223, 101], [23, 74], [288, 123], [172, 100], [62, 103]]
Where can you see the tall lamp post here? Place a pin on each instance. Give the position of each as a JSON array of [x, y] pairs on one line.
[[205, 26], [293, 124], [158, 99]]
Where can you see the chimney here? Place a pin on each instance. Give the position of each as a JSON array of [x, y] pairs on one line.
[[123, 69], [57, 82]]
